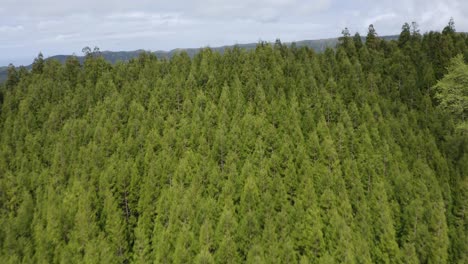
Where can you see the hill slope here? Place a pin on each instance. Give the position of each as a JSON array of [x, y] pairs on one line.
[[272, 155]]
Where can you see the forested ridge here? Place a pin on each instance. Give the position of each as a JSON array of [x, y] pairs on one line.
[[318, 45], [275, 155]]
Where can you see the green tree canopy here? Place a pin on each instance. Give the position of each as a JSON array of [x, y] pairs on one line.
[[452, 91]]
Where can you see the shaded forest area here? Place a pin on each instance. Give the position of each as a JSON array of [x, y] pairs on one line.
[[274, 155]]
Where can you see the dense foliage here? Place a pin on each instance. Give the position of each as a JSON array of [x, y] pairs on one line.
[[452, 92], [275, 155]]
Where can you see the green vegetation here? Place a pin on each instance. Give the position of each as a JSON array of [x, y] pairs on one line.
[[452, 91], [319, 45], [273, 155]]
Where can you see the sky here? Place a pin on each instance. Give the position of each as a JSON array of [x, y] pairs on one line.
[[54, 27]]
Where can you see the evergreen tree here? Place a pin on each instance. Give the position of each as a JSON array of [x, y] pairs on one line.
[[372, 40], [405, 35], [38, 64]]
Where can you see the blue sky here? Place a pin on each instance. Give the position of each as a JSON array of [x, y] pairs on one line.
[[65, 27]]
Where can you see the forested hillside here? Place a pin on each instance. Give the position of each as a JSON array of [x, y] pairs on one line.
[[274, 155], [319, 45]]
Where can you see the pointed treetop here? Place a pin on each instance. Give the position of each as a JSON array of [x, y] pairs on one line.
[[450, 28]]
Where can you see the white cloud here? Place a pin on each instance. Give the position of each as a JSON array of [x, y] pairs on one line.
[[379, 18], [7, 29], [56, 26], [127, 15], [42, 25], [70, 36], [429, 14]]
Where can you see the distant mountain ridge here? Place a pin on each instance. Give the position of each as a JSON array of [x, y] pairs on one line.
[[318, 45]]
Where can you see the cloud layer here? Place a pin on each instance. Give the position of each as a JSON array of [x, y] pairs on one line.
[[64, 27]]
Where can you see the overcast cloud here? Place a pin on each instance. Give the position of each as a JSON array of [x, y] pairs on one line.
[[65, 27]]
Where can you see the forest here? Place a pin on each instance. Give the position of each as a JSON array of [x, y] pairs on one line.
[[278, 154]]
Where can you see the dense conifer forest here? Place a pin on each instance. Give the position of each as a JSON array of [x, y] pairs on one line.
[[274, 155]]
